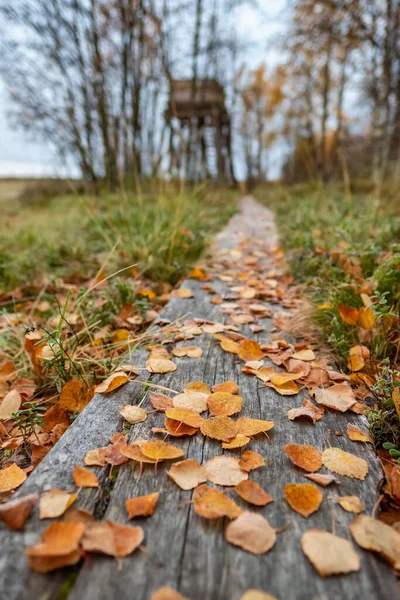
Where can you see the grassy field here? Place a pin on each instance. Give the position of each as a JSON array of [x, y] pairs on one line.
[[345, 251]]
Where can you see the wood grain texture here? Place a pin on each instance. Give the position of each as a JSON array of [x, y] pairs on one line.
[[183, 550]]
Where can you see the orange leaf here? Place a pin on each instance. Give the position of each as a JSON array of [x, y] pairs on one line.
[[330, 554], [251, 427], [349, 314], [238, 441], [11, 477], [351, 504], [188, 474], [159, 450], [251, 460], [10, 404], [84, 478], [219, 428], [15, 512], [112, 382], [167, 593], [179, 429], [185, 416], [227, 386], [54, 503], [224, 404], [75, 396], [304, 498], [357, 357], [182, 293], [376, 536], [358, 435], [112, 539], [142, 506], [57, 548], [133, 414], [251, 532], [195, 401], [253, 493], [339, 397], [322, 479], [249, 350], [160, 365], [224, 470], [305, 457], [210, 503], [160, 401], [366, 317]]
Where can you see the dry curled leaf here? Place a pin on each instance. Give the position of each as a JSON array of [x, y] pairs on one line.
[[178, 429], [57, 548], [160, 365], [305, 355], [160, 401], [133, 452], [15, 512], [224, 470], [95, 458], [187, 474], [11, 477], [196, 401], [376, 536], [210, 503], [133, 414], [142, 506], [308, 410], [330, 554], [84, 477], [227, 386], [189, 351], [159, 450], [322, 479], [339, 397], [251, 427], [249, 350], [351, 504], [252, 532], [344, 463], [112, 382], [54, 503], [251, 460], [358, 435], [112, 539], [358, 355], [304, 498], [238, 441], [185, 416], [253, 493], [303, 456], [224, 404], [219, 428]]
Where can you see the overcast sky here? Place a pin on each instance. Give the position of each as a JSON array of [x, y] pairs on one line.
[[21, 156]]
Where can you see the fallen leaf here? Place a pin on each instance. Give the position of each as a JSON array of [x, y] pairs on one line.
[[160, 401], [84, 478], [308, 410], [339, 397], [253, 493], [344, 463], [142, 506], [112, 382], [227, 386], [251, 427], [376, 536], [224, 470], [197, 273], [75, 395], [351, 504], [185, 416], [322, 479], [329, 554], [213, 328], [196, 401], [15, 512], [238, 441], [112, 539], [10, 404], [288, 388], [7, 371], [304, 498], [57, 548], [199, 387], [189, 351], [303, 456], [251, 460], [179, 429], [95, 458], [219, 428], [357, 357], [54, 503], [133, 414], [187, 474], [257, 595], [306, 355], [160, 365], [133, 452], [366, 317], [210, 503], [182, 293], [358, 435], [167, 593], [159, 450], [224, 404], [396, 399], [11, 477], [249, 350], [252, 532], [349, 314]]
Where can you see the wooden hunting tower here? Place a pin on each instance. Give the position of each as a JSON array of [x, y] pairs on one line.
[[200, 130]]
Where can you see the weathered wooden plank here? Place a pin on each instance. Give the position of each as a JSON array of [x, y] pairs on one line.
[[182, 549]]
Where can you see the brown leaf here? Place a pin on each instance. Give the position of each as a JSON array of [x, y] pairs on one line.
[[219, 428], [7, 371], [304, 498], [187, 474], [133, 452], [351, 504], [322, 479], [142, 506], [224, 470], [178, 429], [358, 435], [160, 401], [84, 478], [251, 460], [330, 554], [224, 404], [112, 382], [54, 503], [11, 477], [253, 493], [252, 532], [305, 457], [133, 414], [339, 397], [376, 536], [210, 503], [15, 512], [112, 539], [344, 463], [308, 410]]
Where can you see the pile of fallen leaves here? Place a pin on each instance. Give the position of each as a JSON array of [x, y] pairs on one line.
[[219, 413]]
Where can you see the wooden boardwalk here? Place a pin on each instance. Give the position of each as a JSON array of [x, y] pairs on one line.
[[183, 550]]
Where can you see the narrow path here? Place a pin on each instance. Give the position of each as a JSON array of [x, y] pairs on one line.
[[183, 550]]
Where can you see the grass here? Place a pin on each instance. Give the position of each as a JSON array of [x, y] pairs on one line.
[[82, 278], [345, 251]]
